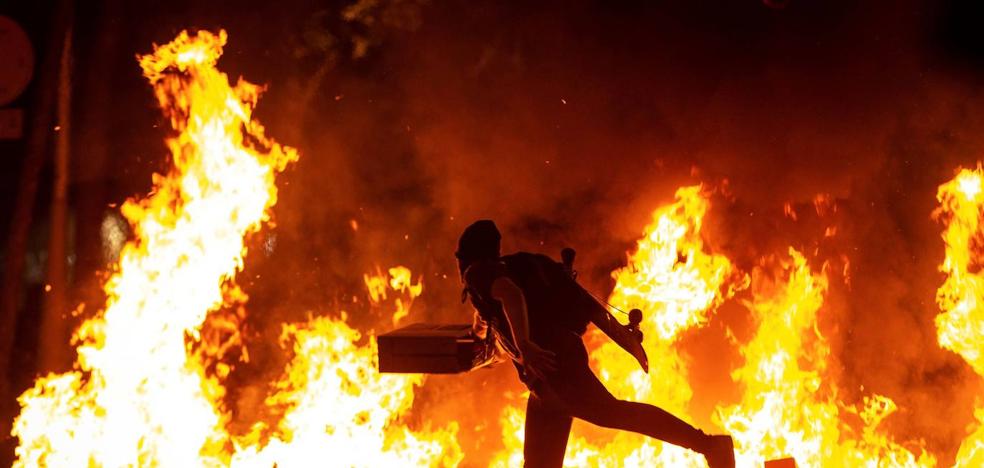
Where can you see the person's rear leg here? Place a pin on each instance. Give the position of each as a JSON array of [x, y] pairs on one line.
[[547, 430], [658, 423], [585, 397]]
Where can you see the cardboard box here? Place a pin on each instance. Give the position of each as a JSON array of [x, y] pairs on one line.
[[429, 349]]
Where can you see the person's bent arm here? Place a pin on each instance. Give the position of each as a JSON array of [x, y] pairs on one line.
[[486, 353], [535, 360]]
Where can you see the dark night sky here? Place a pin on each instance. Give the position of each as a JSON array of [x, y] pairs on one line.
[[568, 122], [810, 87]]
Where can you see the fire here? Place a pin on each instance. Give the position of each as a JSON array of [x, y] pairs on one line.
[[135, 397], [398, 279], [788, 407], [773, 377], [340, 408], [960, 326], [139, 394], [513, 434], [147, 387], [676, 282], [670, 275]]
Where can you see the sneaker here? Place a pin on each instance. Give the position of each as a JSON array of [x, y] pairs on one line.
[[721, 452]]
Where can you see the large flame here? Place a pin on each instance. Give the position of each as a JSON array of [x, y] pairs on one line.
[[786, 311], [143, 391], [676, 282], [960, 326], [339, 408], [135, 396], [789, 407], [139, 394]]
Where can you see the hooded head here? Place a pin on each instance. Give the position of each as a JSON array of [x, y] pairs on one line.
[[479, 241]]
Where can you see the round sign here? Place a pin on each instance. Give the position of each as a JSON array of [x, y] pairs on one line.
[[16, 60]]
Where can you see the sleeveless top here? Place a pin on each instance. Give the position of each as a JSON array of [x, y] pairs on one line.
[[553, 307]]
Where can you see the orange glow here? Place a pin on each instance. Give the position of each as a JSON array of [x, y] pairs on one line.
[[788, 407], [139, 395], [399, 280], [787, 209], [676, 282], [340, 408], [135, 396], [148, 386], [960, 325]]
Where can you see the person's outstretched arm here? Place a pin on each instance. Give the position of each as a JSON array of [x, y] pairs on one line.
[[618, 333]]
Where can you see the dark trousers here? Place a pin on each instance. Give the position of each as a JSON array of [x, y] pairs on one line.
[[574, 392]]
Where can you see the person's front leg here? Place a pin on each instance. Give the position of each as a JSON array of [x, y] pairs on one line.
[[547, 430]]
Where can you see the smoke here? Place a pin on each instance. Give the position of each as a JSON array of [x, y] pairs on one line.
[[569, 122], [568, 126]]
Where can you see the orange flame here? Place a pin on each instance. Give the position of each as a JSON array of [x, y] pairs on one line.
[[135, 396], [960, 326], [765, 424], [788, 409], [398, 279], [340, 408], [675, 282], [138, 395]]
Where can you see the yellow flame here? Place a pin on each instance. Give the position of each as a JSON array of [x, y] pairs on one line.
[[376, 286], [765, 424], [675, 281], [960, 325], [135, 396], [399, 279], [341, 411], [512, 420], [670, 276], [788, 409], [139, 394]]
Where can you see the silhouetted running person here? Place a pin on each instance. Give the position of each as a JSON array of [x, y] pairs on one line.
[[530, 308]]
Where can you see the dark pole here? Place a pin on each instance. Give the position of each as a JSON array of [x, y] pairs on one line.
[[52, 352], [41, 129]]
